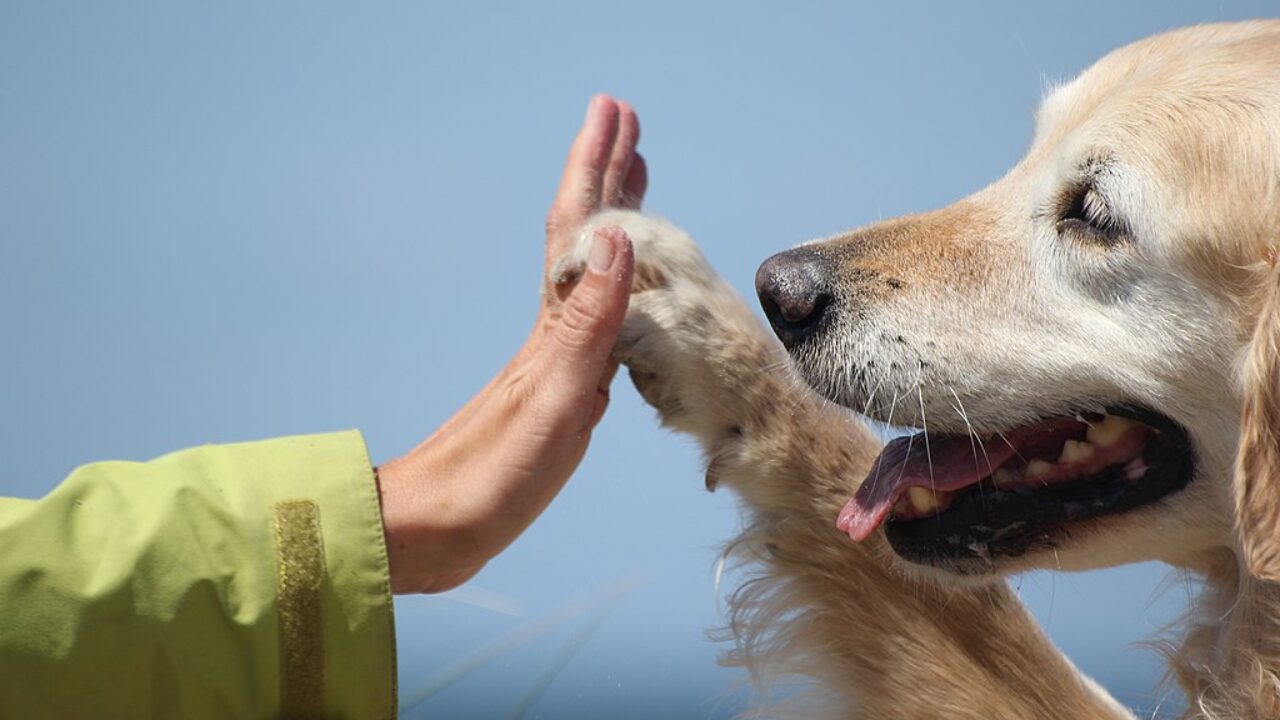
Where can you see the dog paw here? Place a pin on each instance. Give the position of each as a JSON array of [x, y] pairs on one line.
[[689, 341], [664, 253]]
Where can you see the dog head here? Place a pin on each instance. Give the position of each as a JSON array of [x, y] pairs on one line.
[[1089, 345]]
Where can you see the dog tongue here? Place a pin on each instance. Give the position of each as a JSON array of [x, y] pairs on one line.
[[940, 463]]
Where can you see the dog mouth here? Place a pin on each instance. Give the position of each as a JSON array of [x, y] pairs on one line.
[[964, 497]]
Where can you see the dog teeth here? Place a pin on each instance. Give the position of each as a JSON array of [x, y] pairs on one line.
[[1107, 432], [1003, 477], [924, 501], [1136, 468], [1075, 451], [1038, 468]]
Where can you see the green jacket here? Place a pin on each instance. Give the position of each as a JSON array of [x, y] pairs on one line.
[[234, 581]]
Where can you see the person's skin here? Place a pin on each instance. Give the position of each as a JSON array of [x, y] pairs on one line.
[[455, 501]]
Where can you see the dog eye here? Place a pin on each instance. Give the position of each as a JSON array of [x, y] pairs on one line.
[[1085, 216]]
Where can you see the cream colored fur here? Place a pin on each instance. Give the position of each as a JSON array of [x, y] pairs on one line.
[[1180, 136], [884, 644]]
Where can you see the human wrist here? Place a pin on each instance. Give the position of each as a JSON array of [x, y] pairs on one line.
[[421, 544], [390, 480], [437, 497]]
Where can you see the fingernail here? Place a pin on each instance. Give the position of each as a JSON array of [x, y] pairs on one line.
[[602, 252], [592, 104]]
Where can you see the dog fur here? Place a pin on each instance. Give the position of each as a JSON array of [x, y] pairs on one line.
[[1178, 138]]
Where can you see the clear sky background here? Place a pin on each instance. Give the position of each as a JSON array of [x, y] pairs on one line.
[[228, 221]]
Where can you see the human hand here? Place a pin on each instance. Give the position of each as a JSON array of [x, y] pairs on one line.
[[469, 490]]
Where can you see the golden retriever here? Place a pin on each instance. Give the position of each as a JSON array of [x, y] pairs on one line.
[[1089, 349]]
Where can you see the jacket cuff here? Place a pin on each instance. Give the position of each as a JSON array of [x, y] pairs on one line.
[[333, 590]]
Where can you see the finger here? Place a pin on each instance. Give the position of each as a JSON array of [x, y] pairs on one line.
[[610, 372], [636, 184], [592, 315], [621, 157], [602, 393], [581, 184]]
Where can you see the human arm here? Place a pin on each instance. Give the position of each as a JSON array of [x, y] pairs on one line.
[[160, 589], [464, 494], [230, 581]]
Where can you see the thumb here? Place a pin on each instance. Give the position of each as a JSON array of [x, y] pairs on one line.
[[592, 314]]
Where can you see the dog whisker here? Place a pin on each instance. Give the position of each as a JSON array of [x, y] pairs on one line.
[[974, 440], [880, 460], [924, 423]]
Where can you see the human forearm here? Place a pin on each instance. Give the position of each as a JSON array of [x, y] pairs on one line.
[[222, 581]]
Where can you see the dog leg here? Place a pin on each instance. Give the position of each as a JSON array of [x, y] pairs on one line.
[[884, 642]]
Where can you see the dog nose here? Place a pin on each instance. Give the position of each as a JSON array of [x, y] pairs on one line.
[[795, 293]]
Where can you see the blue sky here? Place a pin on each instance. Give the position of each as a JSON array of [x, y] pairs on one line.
[[233, 221]]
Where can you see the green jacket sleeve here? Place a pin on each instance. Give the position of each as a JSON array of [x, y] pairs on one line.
[[234, 581]]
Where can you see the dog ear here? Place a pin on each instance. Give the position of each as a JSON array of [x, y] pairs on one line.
[[1257, 475]]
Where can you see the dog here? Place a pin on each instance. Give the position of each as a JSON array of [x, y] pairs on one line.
[[1089, 349]]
